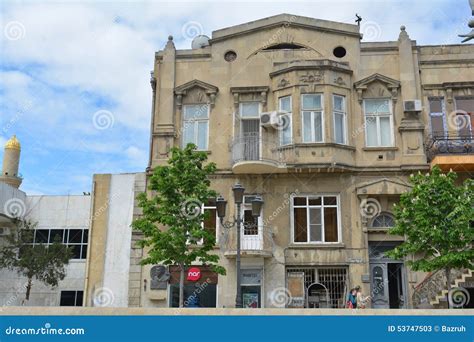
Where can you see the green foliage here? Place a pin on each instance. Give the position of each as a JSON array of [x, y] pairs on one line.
[[45, 263], [178, 190], [436, 219]]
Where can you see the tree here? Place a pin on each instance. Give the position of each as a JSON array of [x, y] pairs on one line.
[[44, 262], [172, 217], [436, 219]]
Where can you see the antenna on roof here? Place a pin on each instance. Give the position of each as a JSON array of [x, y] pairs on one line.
[[358, 19]]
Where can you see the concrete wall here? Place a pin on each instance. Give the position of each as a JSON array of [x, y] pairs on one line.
[[63, 212]]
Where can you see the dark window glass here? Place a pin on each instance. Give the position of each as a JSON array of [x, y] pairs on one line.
[[85, 236], [71, 298], [76, 251], [300, 224], [330, 200], [198, 295], [299, 201], [79, 295], [41, 235], [68, 298], [84, 252], [330, 225], [56, 235], [315, 201], [75, 236]]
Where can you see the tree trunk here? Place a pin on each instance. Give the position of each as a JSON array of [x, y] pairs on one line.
[[447, 270], [181, 286], [28, 290]]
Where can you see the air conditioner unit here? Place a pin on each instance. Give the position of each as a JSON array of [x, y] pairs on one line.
[[412, 106], [4, 231], [268, 119], [271, 119]]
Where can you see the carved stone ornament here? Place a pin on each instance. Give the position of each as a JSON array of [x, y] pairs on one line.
[[199, 91], [378, 86], [312, 77]]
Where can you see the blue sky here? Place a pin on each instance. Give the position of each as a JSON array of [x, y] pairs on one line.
[[74, 76]]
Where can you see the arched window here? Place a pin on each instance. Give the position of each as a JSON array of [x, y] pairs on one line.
[[383, 220]]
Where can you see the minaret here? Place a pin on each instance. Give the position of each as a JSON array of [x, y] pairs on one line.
[[11, 162]]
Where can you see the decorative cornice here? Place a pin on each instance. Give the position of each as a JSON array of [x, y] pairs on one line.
[[182, 90], [311, 65], [391, 84]]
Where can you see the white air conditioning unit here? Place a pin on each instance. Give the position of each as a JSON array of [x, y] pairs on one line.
[[412, 106], [271, 119], [4, 231], [268, 119]]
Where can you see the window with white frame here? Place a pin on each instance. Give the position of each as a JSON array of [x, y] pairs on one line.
[[378, 123], [316, 219], [340, 120], [312, 117], [75, 239], [285, 126], [196, 125], [438, 117]]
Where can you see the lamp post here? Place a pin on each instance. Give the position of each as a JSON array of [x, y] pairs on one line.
[[221, 204]]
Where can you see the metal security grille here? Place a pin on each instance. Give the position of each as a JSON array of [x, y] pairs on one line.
[[334, 278]]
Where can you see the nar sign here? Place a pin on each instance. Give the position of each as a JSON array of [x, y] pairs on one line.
[[194, 274]]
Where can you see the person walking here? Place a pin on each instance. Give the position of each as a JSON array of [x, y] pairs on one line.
[[351, 302], [360, 299]]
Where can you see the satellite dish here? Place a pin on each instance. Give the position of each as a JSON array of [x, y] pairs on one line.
[[200, 41], [159, 273]]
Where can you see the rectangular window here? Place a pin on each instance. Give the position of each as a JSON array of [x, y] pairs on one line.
[[312, 117], [284, 105], [315, 219], [465, 117], [438, 117], [196, 125], [378, 122], [71, 298], [76, 239], [210, 218], [250, 130], [339, 112]]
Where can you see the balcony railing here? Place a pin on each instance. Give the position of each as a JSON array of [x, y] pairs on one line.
[[252, 147], [445, 144], [254, 241]]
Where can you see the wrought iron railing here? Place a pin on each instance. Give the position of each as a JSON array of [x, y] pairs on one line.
[[444, 143], [433, 285]]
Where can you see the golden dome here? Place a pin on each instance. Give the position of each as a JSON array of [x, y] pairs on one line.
[[13, 143]]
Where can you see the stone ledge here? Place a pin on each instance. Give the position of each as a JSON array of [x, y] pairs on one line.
[[78, 311]]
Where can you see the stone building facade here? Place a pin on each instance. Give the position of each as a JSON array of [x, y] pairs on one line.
[[326, 129]]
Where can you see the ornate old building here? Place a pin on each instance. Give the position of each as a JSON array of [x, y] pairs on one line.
[[326, 129]]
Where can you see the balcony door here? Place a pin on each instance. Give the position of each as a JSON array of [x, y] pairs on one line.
[[251, 233], [250, 130]]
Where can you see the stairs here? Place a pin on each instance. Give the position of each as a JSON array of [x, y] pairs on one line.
[[432, 291]]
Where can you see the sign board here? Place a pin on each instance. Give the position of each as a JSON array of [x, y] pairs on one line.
[[194, 274], [295, 285]]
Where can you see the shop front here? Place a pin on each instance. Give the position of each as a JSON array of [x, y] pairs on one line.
[[200, 287]]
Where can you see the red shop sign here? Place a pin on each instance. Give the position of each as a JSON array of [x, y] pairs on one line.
[[194, 274]]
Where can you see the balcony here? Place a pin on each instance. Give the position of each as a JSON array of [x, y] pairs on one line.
[[252, 154], [254, 242], [451, 152]]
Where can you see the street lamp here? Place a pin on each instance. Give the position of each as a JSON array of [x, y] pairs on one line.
[[221, 204]]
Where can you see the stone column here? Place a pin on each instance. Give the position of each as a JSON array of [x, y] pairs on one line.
[[411, 125]]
